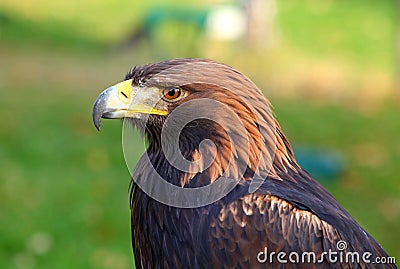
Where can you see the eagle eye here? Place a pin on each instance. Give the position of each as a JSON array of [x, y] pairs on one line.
[[172, 93]]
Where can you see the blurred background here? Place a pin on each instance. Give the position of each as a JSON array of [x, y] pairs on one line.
[[329, 68]]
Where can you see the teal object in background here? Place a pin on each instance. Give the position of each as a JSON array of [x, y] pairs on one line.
[[323, 165], [225, 22], [157, 16]]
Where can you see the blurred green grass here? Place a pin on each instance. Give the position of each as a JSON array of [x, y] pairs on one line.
[[64, 187]]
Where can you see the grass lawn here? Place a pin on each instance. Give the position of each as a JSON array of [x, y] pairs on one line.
[[64, 186]]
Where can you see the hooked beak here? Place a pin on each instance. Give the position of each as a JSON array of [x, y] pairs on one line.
[[123, 101]]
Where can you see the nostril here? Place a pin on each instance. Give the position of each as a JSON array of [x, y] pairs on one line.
[[124, 94]]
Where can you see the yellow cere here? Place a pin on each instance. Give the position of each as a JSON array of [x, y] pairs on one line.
[[124, 89], [125, 92]]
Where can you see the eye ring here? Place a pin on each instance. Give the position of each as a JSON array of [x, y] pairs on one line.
[[172, 93]]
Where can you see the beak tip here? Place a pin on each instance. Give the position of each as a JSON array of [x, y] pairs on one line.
[[98, 110], [97, 121]]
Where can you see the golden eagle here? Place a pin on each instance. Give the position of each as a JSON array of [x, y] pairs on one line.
[[218, 186]]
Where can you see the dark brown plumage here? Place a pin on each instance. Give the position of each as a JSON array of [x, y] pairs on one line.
[[289, 212]]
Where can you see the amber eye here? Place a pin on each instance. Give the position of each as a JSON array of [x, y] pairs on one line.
[[172, 93]]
